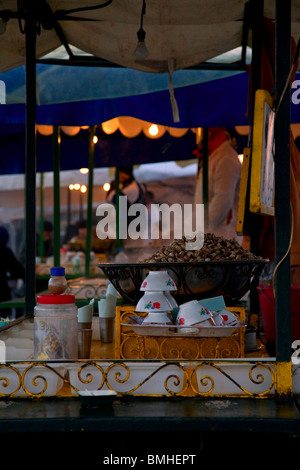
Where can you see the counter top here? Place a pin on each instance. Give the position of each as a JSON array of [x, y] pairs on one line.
[[132, 414]]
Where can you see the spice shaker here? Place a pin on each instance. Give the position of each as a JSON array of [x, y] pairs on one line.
[[57, 283]]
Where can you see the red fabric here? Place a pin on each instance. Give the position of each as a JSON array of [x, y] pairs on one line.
[[216, 137]]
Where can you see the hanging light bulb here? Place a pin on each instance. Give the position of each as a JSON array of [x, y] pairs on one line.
[[3, 23], [141, 51]]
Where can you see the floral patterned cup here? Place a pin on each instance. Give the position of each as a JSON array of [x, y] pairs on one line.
[[158, 281], [193, 313], [154, 301]]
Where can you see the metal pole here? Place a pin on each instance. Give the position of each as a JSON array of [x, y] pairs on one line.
[[117, 181], [56, 196], [30, 152], [282, 181], [256, 21], [41, 238], [205, 176], [69, 209], [255, 11], [90, 202]]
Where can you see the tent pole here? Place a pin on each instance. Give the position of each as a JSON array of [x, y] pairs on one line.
[[56, 196], [255, 11], [205, 177], [117, 181], [282, 180], [90, 202], [30, 152], [41, 240]]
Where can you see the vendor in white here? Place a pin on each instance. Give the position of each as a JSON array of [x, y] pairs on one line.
[[224, 173], [135, 192]]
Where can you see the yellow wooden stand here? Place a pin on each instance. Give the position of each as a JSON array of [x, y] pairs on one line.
[[129, 345]]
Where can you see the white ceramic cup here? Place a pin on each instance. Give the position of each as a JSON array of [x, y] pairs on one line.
[[229, 318], [154, 301], [218, 319], [158, 281], [192, 313]]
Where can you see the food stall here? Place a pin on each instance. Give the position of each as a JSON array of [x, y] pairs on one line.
[[158, 379]]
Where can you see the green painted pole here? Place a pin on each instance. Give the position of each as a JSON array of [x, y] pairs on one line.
[[56, 196], [205, 183], [117, 182], [30, 157], [282, 180], [89, 221], [41, 238]]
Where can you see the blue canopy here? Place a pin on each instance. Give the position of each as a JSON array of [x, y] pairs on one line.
[[70, 95], [77, 96]]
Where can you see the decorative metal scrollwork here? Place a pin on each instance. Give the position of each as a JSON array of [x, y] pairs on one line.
[[151, 378]]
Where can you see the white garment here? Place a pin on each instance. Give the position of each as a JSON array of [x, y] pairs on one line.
[[224, 173], [132, 191]]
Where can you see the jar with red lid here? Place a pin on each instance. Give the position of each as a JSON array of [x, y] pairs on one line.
[[55, 327]]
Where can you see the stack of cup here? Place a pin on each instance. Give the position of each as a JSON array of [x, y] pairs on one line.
[[85, 331], [157, 300], [107, 312]]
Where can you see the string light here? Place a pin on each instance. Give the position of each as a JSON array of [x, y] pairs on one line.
[[106, 186], [153, 129]]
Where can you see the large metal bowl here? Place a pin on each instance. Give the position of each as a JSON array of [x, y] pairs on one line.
[[232, 279]]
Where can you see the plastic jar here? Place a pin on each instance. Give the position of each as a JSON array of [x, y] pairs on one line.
[[55, 327], [57, 283]]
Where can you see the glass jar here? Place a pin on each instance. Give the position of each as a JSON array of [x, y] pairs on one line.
[[55, 327], [57, 283]]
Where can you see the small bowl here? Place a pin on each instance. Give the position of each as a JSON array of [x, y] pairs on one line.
[[158, 281], [192, 313], [154, 302], [229, 318], [157, 318], [218, 319], [171, 299], [97, 398]]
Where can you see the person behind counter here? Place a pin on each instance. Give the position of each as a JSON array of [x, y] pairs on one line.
[[47, 243], [135, 192], [10, 269], [47, 239], [224, 174]]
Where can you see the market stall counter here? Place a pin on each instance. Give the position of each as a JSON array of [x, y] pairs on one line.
[[170, 395], [132, 377]]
